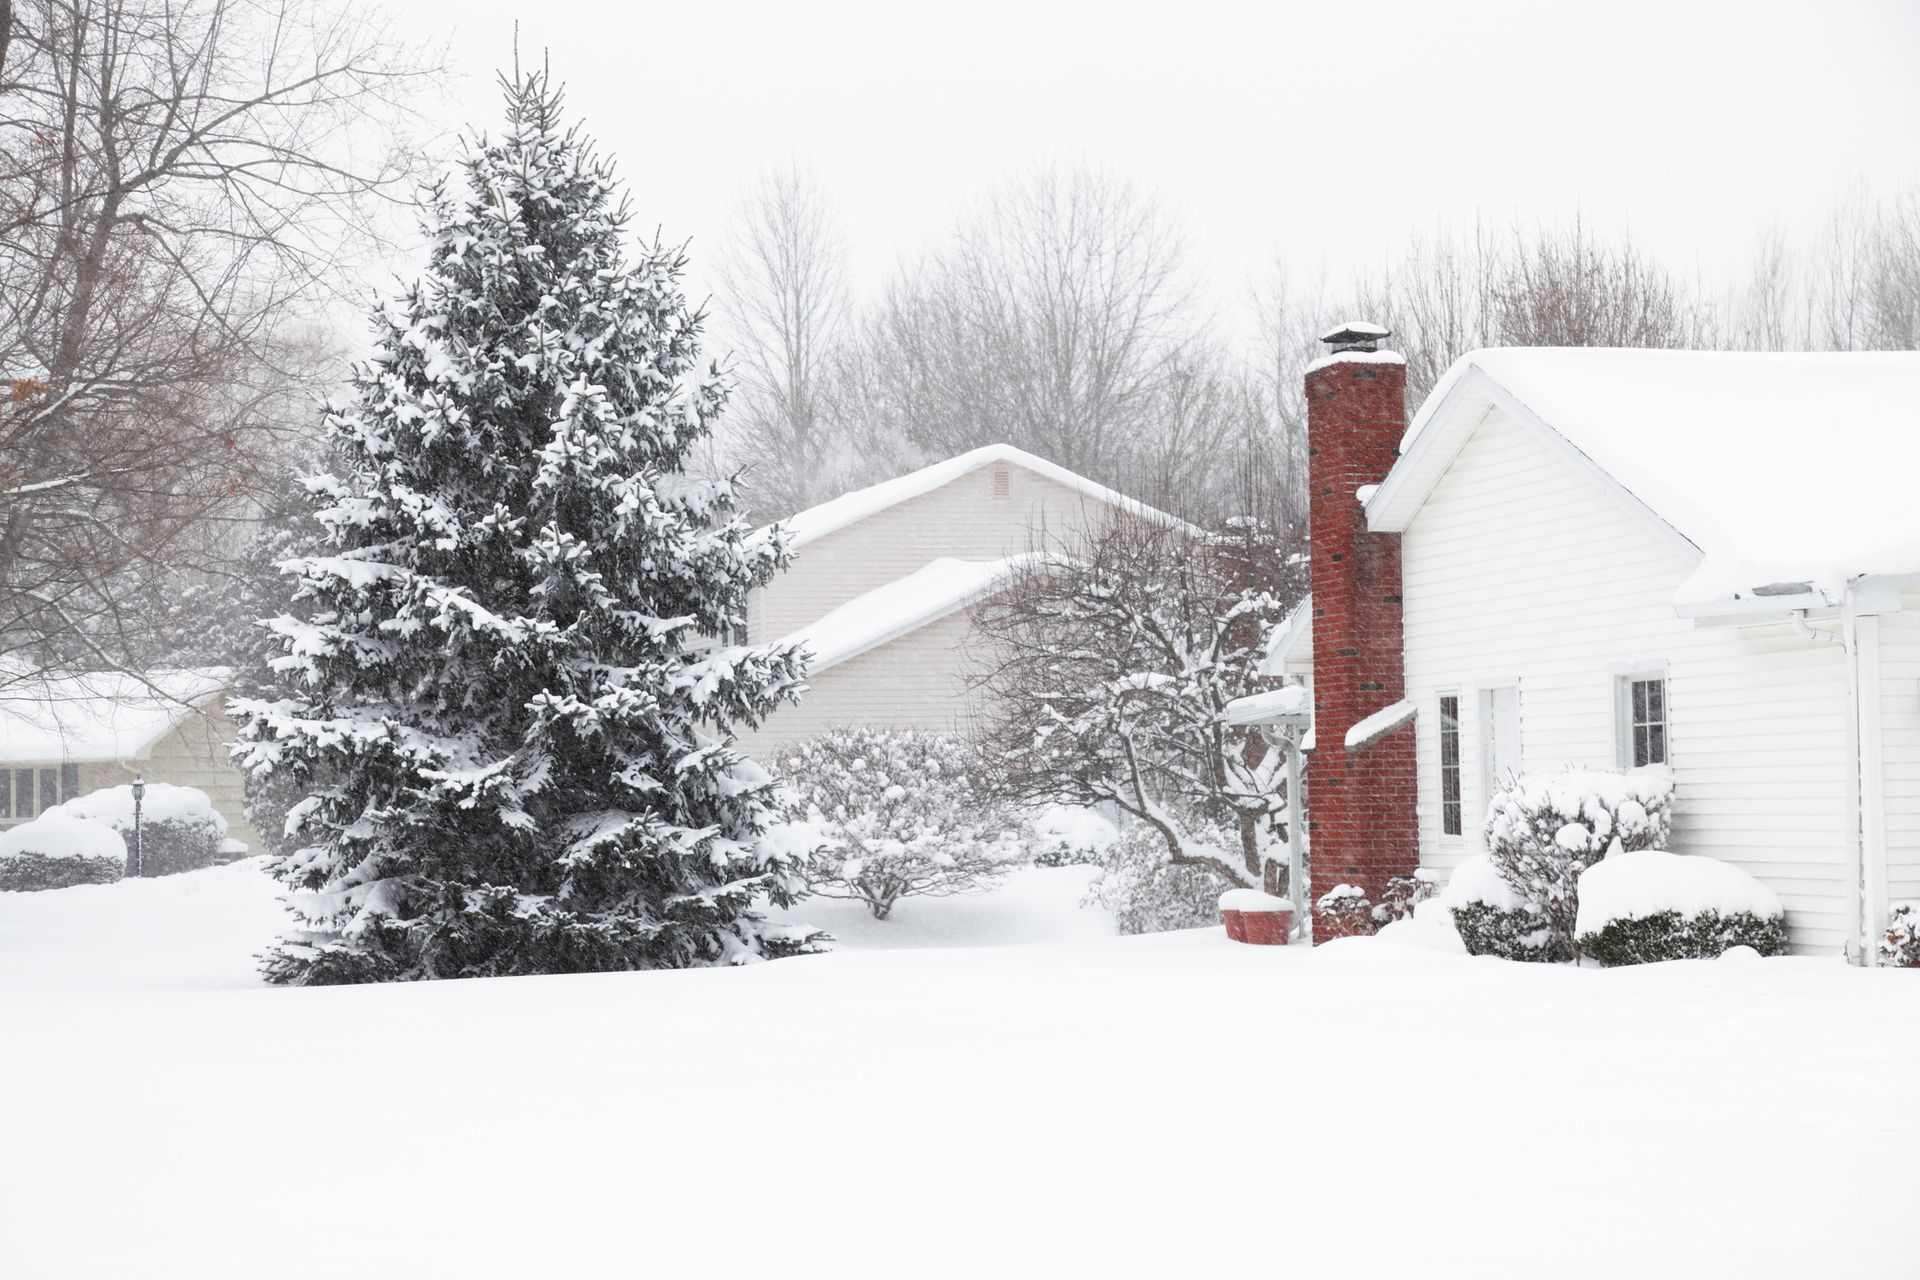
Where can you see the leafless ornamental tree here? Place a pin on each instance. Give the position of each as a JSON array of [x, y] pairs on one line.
[[1108, 674], [181, 183]]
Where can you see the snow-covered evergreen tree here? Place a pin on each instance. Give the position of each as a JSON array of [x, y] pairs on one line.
[[504, 691]]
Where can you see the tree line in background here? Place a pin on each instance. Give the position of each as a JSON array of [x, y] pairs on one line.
[[1063, 313]]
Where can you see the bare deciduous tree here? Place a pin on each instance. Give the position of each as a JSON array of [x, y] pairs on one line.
[[1107, 672], [179, 179], [785, 303], [1058, 317]]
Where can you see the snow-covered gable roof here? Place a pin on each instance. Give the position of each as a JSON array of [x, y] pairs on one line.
[[99, 715], [1290, 647], [1767, 468], [849, 508], [906, 604]]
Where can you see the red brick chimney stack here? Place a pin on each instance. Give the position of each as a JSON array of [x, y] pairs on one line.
[[1360, 804]]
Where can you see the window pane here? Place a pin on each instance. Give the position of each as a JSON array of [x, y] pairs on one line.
[[23, 793], [1639, 688], [6, 793], [49, 789], [1656, 744], [1657, 700], [1450, 766], [1640, 745], [69, 781]]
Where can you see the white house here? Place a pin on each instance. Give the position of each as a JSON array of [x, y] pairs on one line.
[[1613, 558], [67, 736], [882, 577]]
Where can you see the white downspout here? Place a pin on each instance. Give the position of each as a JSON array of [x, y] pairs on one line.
[[1873, 788], [1849, 642], [1852, 748]]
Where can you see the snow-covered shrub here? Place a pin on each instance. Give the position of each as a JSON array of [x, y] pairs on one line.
[[1405, 893], [1900, 944], [1493, 920], [1343, 911], [1070, 835], [1148, 892], [56, 850], [1649, 905], [898, 813], [180, 830], [1544, 829]]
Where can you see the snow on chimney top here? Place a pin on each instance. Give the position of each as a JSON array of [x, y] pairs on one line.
[[1354, 335]]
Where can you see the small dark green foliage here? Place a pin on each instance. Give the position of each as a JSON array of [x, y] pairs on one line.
[[1668, 935], [27, 871], [1512, 935]]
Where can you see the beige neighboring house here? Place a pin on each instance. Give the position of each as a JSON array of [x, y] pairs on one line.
[[65, 737], [882, 578]]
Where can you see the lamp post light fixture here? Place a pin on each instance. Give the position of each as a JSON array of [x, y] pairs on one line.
[[139, 849]]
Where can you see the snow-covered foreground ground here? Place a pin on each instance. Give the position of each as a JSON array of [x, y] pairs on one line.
[[1165, 1106]]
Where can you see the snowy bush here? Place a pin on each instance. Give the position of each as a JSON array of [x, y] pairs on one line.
[[1148, 892], [56, 850], [1404, 894], [1900, 945], [897, 814], [1650, 905], [1493, 920], [180, 830], [1069, 835], [1544, 829]]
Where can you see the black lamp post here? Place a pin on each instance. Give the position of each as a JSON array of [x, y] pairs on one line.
[[139, 852]]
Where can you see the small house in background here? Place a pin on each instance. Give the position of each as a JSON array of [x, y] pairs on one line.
[[882, 578], [67, 736]]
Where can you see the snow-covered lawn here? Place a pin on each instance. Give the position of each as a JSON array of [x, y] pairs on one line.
[[1164, 1106]]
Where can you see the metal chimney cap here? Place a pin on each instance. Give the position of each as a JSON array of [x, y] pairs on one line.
[[1355, 335]]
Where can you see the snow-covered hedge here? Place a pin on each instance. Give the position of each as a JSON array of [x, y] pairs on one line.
[[1493, 920], [56, 850], [1544, 829], [1650, 905], [1067, 835], [1900, 945], [898, 813], [180, 830], [1148, 893]]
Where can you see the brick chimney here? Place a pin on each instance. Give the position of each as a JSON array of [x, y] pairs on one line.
[[1360, 804]]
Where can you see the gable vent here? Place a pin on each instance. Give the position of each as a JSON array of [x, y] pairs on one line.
[[1002, 481]]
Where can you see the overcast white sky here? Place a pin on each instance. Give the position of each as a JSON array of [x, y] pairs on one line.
[[1328, 129]]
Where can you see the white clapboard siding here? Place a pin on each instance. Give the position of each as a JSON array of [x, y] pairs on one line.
[[1520, 571], [961, 519], [919, 681], [1900, 734]]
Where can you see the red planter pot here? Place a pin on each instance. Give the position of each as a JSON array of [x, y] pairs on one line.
[[1259, 928]]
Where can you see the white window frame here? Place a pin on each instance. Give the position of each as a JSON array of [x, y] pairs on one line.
[[1459, 763], [1625, 677]]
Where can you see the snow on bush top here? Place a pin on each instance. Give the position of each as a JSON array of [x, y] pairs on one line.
[[163, 802], [1075, 826], [1587, 809], [58, 834], [1629, 886], [1475, 880]]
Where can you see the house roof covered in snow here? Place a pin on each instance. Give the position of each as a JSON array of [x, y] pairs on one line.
[[99, 715], [1778, 473], [906, 604], [849, 508]]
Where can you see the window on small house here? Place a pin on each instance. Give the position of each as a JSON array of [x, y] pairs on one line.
[[1450, 765], [1642, 714], [6, 795], [23, 806], [49, 789], [69, 782], [1002, 481]]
